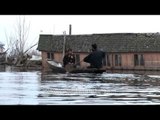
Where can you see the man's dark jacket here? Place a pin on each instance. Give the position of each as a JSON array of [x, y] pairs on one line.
[[95, 59]]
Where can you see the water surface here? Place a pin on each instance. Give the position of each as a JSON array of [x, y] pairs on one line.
[[35, 88]]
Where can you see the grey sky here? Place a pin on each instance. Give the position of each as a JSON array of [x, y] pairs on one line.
[[81, 24]]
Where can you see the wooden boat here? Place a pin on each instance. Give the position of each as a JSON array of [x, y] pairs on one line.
[[88, 70], [57, 68]]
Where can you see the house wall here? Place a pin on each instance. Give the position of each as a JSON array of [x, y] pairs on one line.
[[44, 63], [151, 60], [127, 60], [58, 57]]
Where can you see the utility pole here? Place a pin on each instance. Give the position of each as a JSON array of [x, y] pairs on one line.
[[64, 44], [70, 29]]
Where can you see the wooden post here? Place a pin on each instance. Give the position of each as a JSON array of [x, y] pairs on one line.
[[64, 45], [70, 29]]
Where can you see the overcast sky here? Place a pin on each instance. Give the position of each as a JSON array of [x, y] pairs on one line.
[[81, 24]]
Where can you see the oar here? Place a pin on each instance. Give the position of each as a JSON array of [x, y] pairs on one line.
[[77, 63], [70, 67]]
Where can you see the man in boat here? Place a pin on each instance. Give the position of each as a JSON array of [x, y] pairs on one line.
[[69, 58], [95, 58]]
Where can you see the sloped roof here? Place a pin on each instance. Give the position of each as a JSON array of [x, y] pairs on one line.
[[112, 42]]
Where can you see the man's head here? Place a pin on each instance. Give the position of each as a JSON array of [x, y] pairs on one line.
[[94, 47]]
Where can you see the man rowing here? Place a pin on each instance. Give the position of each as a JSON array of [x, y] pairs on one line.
[[95, 58]]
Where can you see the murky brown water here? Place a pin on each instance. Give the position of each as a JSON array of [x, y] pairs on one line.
[[34, 88]]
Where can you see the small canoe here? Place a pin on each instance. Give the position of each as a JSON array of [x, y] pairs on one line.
[[57, 68], [88, 70]]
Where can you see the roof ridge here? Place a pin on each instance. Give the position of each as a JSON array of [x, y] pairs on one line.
[[100, 34]]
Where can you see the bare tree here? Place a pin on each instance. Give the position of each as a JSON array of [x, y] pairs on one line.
[[21, 33], [17, 42]]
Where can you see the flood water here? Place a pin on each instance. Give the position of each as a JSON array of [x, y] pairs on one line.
[[35, 88]]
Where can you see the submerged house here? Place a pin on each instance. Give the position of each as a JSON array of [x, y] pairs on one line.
[[131, 51], [1, 47], [2, 54]]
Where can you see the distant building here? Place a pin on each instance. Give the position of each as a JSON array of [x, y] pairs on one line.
[[130, 51], [1, 47], [2, 54]]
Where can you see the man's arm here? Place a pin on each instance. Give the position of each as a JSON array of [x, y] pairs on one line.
[[87, 59]]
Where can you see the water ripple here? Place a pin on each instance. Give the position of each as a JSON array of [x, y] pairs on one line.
[[91, 89]]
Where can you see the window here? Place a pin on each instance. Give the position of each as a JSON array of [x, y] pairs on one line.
[[138, 60], [141, 60], [117, 60], [104, 60], [50, 56], [77, 61], [108, 61], [135, 59]]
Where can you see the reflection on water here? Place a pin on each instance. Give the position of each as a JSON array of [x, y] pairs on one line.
[[63, 89], [19, 87]]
